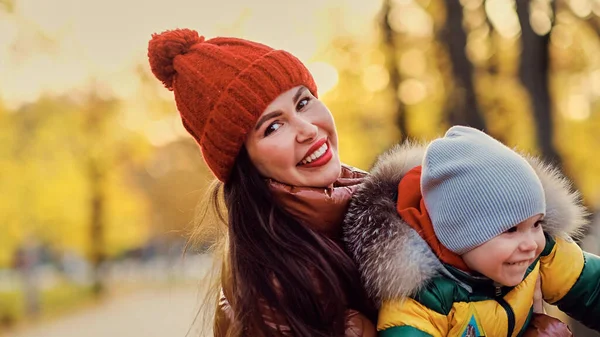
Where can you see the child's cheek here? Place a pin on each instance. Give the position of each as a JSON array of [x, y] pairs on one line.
[[541, 243]]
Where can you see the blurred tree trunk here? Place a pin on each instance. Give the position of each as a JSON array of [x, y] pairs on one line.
[[97, 240], [392, 67], [533, 72], [97, 162], [464, 109]]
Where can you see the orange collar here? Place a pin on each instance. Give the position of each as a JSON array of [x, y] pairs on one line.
[[411, 207]]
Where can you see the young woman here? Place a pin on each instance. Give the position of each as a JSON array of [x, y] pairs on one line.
[[272, 144]]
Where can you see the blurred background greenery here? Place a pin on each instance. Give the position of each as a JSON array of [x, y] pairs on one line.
[[99, 181]]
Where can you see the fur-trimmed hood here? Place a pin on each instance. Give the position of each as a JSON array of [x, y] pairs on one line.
[[393, 259]]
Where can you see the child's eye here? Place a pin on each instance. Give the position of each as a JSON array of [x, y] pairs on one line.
[[272, 128], [538, 224], [511, 230]]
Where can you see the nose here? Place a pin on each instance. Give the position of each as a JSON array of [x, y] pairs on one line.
[[307, 131], [528, 243]]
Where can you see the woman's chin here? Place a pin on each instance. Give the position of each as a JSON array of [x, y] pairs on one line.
[[322, 176]]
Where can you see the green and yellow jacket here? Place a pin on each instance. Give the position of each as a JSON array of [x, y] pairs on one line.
[[421, 296]]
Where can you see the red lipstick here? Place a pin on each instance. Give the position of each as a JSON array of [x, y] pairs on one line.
[[323, 159]]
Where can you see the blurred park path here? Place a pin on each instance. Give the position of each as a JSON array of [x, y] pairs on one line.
[[157, 312]]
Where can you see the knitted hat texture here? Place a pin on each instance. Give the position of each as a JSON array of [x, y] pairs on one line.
[[475, 188]]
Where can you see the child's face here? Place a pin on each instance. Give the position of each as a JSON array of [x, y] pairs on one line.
[[506, 257]]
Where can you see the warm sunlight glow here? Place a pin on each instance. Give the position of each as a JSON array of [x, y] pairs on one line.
[[471, 4], [162, 131], [540, 22], [595, 82], [412, 91], [56, 46], [581, 8], [503, 17], [478, 45], [325, 75], [411, 18], [578, 107], [375, 78], [413, 62], [561, 36], [596, 7]]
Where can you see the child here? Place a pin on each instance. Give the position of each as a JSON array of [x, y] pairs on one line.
[[454, 247]]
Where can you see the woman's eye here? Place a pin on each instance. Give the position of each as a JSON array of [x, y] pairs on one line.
[[538, 224], [302, 103], [272, 128]]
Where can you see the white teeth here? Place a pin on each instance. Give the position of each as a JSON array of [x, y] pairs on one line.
[[522, 263], [317, 154]]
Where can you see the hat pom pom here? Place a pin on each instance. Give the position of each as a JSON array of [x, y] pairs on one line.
[[164, 47]]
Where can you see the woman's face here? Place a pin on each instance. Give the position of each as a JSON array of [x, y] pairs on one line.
[[295, 141]]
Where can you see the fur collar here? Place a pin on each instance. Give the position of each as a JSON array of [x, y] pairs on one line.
[[393, 259]]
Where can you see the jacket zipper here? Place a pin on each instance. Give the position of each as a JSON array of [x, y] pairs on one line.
[[509, 312]]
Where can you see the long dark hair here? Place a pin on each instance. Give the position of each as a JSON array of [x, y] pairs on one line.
[[275, 261]]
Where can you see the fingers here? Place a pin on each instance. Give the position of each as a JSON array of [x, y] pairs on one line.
[[538, 298]]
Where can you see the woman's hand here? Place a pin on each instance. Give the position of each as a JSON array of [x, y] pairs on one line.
[[538, 297], [358, 325], [542, 324]]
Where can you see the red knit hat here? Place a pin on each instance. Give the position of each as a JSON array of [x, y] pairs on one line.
[[222, 86]]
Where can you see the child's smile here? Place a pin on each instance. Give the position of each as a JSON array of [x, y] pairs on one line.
[[519, 263], [506, 257]]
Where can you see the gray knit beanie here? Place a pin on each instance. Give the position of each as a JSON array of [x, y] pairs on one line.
[[476, 188]]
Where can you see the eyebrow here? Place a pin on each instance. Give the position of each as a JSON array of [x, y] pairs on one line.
[[266, 117], [278, 113], [298, 93]]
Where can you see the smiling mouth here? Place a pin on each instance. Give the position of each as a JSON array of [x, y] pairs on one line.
[[518, 263], [315, 155]]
